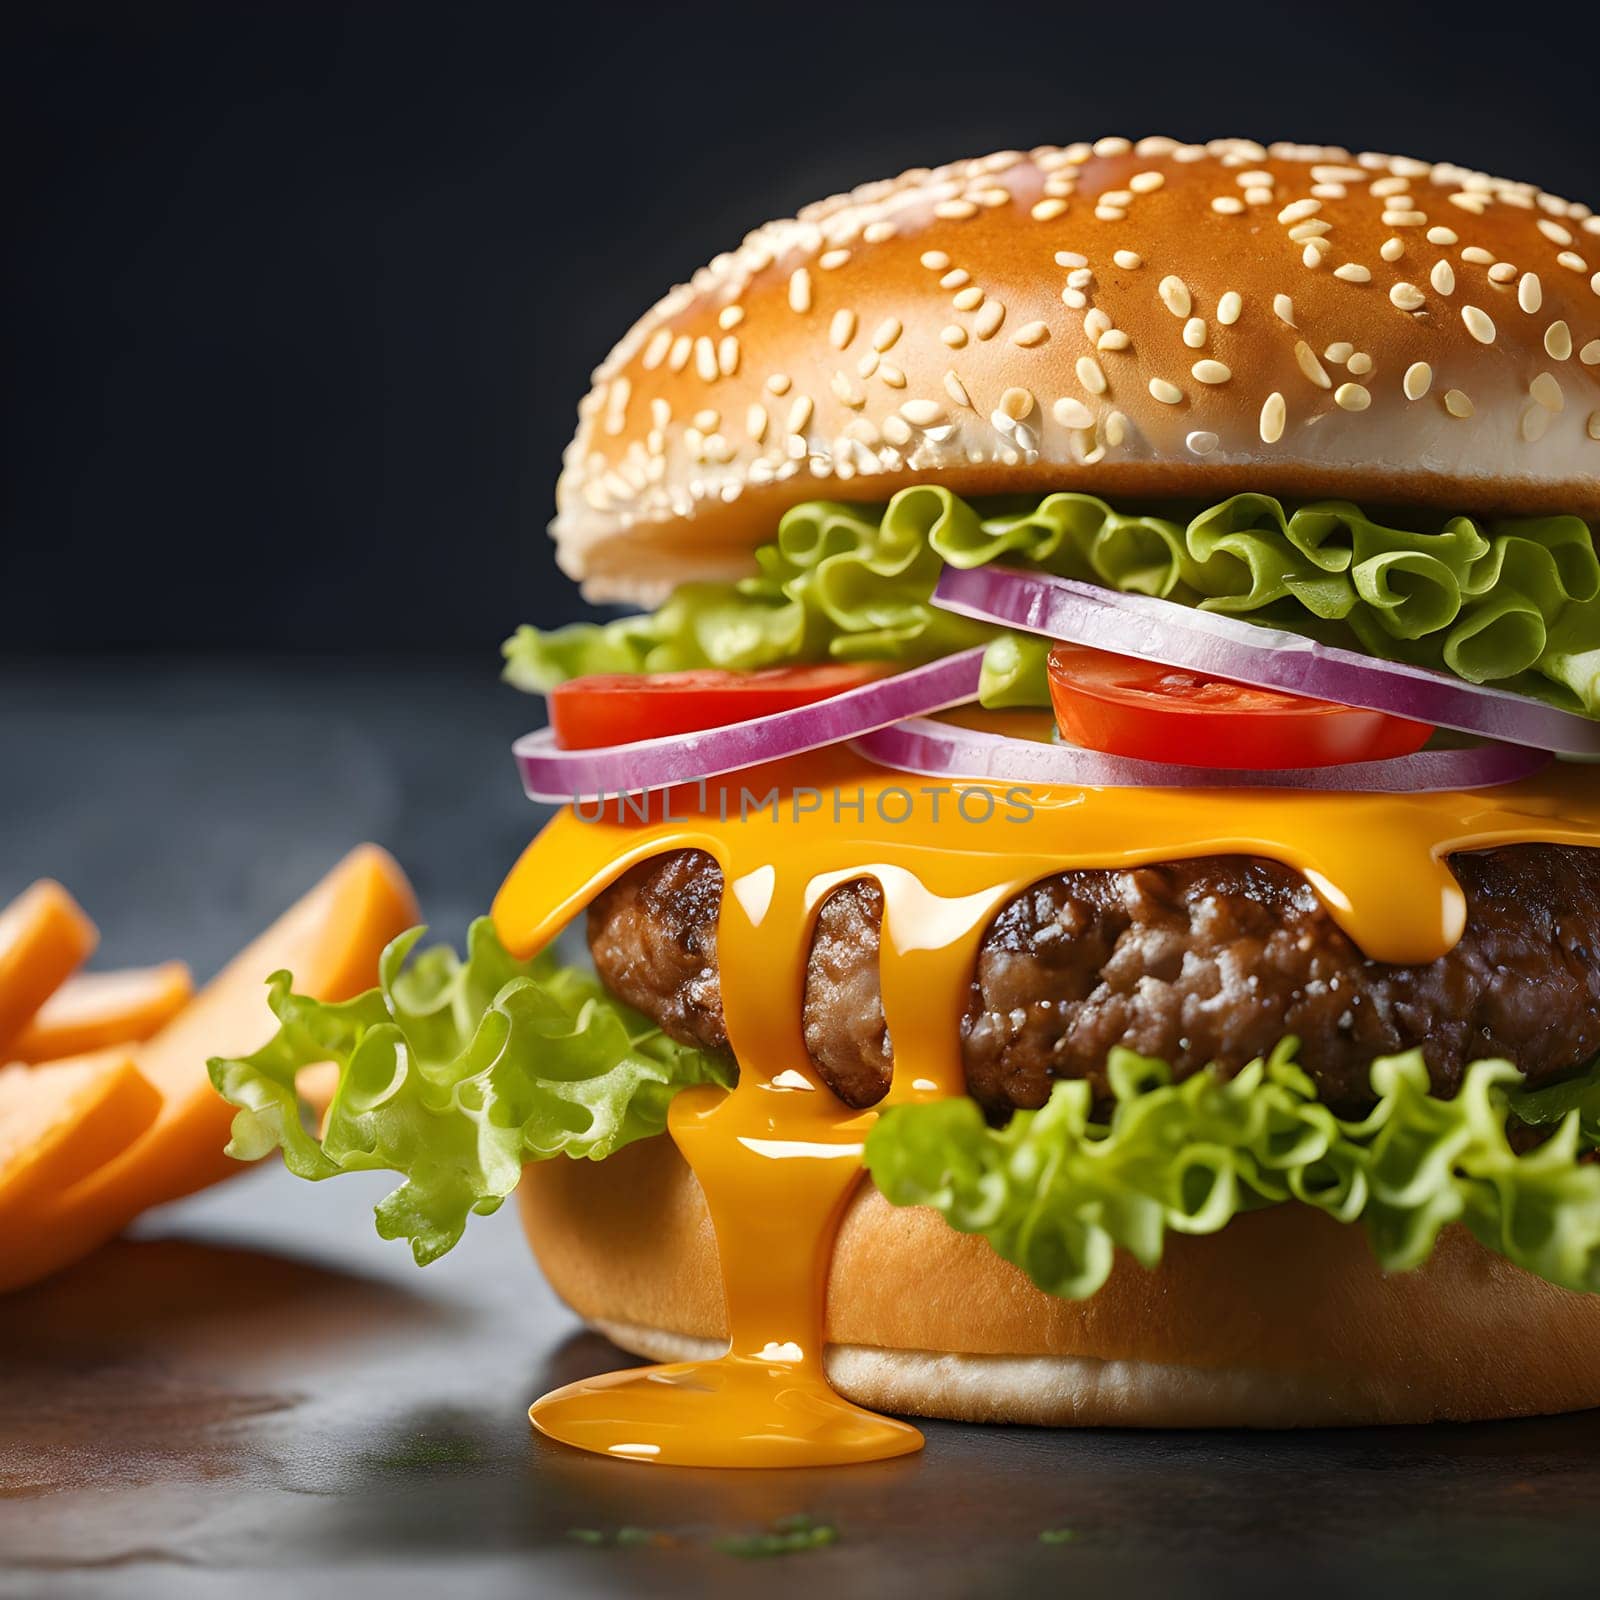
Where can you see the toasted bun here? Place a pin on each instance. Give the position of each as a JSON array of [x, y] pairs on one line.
[[1151, 319], [1281, 1320]]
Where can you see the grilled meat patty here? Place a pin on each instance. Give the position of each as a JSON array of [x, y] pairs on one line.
[[1209, 960]]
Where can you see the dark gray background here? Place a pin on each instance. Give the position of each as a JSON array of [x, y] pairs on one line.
[[299, 296]]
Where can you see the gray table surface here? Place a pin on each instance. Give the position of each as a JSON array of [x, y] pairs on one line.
[[253, 1394]]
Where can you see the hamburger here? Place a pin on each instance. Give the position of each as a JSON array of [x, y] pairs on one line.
[[1099, 744]]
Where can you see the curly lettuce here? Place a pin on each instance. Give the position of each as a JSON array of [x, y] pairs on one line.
[[453, 1074], [1513, 602], [1057, 1192]]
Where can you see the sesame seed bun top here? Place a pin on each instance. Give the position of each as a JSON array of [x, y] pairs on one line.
[[1150, 319]]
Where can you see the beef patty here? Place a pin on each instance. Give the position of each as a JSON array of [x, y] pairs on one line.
[[1214, 959]]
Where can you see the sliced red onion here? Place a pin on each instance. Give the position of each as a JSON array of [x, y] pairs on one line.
[[1248, 652], [565, 776], [943, 750]]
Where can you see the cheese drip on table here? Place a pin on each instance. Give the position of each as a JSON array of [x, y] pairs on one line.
[[779, 1156]]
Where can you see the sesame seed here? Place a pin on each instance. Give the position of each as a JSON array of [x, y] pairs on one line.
[[1115, 146], [755, 422], [953, 335], [1075, 299], [1194, 333], [1360, 363], [935, 260], [844, 386], [1558, 341], [1387, 188], [1546, 390], [1202, 444], [656, 351], [1340, 350], [1443, 277], [778, 383], [968, 299], [1590, 354], [1502, 272], [1443, 236], [888, 331], [1096, 323], [1553, 231], [1535, 422], [1146, 182], [1310, 366], [800, 290], [1283, 308], [1404, 219], [955, 210], [1030, 334], [922, 413], [1070, 258], [705, 359], [1314, 229], [1210, 372], [1228, 309], [1418, 380], [957, 390], [1072, 413], [1392, 249], [1479, 324], [868, 364], [1080, 278], [1116, 429], [842, 329], [1016, 403], [1105, 213], [1113, 339], [1594, 424], [1175, 296], [878, 232], [1260, 195], [730, 317], [1458, 404], [1090, 375], [1227, 205], [1407, 296], [1530, 293], [1274, 414], [1353, 272], [1169, 394], [1299, 210], [1572, 261], [1049, 209], [897, 430], [832, 260], [728, 352], [892, 375], [1477, 255], [1352, 397], [1128, 260], [799, 414], [987, 322], [682, 349]]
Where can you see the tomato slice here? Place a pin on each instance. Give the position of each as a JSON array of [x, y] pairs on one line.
[[623, 708], [1127, 707]]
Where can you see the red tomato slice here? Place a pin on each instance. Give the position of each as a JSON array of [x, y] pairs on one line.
[[623, 708], [1127, 707]]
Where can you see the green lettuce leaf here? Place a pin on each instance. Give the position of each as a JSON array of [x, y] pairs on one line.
[[454, 1074], [1514, 602], [1056, 1192]]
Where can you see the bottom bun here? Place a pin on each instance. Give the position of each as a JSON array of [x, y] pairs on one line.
[[1282, 1320]]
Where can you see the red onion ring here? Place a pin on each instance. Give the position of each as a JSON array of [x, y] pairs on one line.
[[944, 750], [568, 776], [1249, 652]]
